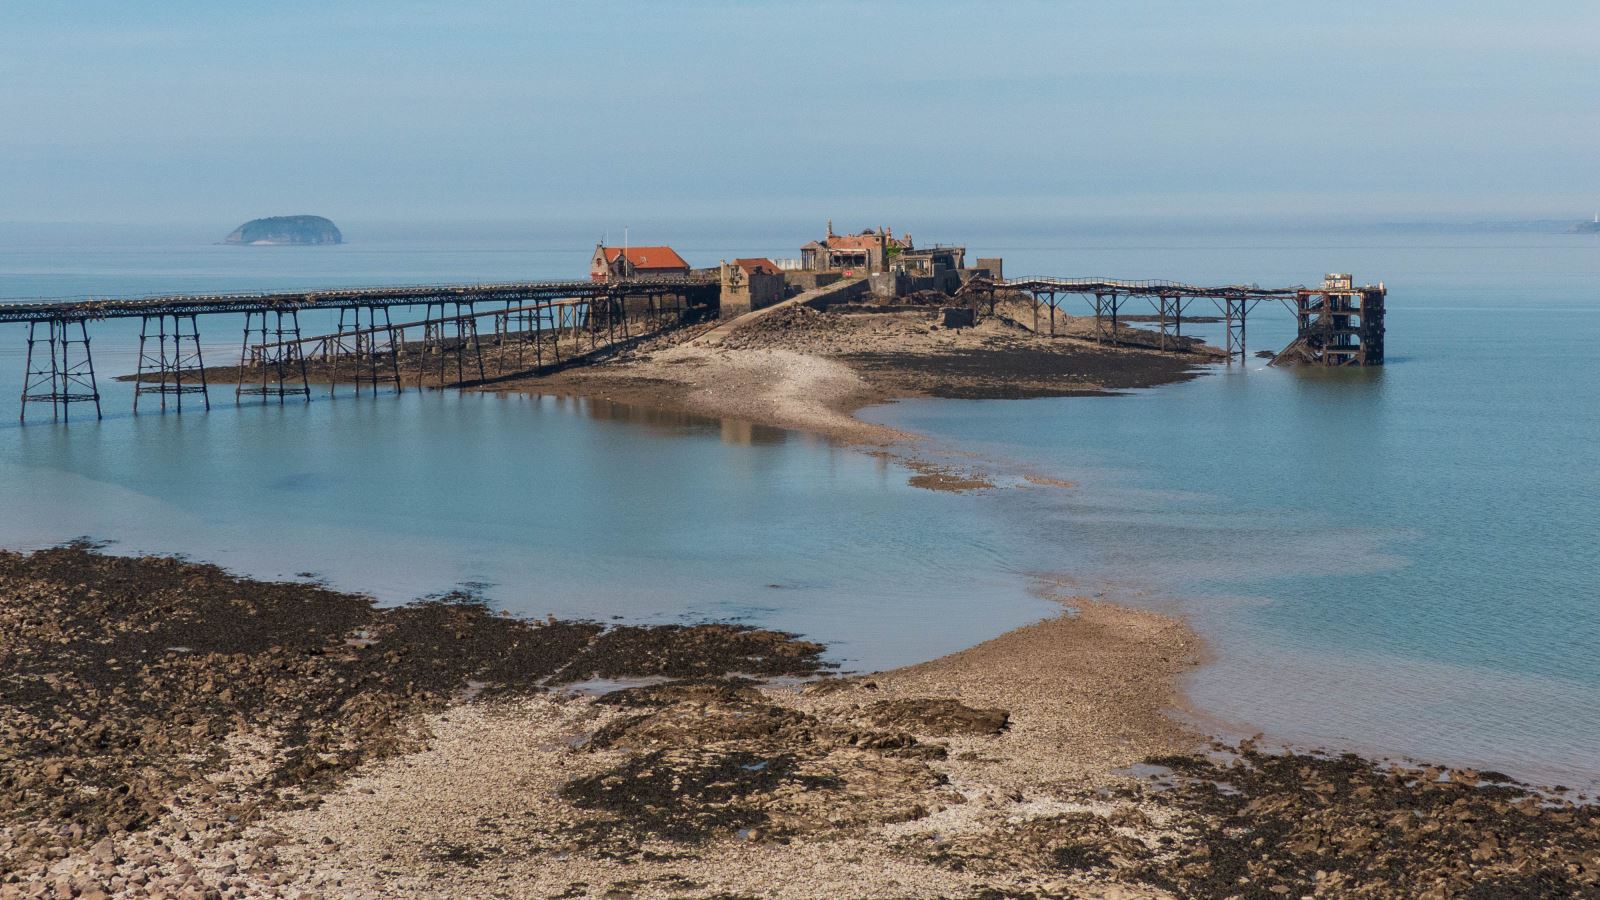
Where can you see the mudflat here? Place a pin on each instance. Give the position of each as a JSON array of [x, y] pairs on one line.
[[171, 730]]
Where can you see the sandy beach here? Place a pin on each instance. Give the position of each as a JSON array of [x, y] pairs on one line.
[[790, 366]]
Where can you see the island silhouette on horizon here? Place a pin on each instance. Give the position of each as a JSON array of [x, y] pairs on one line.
[[275, 230]]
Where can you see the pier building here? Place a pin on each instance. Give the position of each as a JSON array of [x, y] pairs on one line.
[[613, 263]]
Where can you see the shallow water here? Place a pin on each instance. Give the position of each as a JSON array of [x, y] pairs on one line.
[[543, 505], [1401, 560]]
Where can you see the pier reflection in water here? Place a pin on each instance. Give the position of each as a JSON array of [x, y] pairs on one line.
[[556, 505], [676, 421]]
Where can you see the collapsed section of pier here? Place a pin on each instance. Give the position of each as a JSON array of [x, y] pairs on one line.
[[1340, 324]]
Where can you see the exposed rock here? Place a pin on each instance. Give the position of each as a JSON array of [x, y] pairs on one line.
[[132, 683], [169, 730], [937, 716]]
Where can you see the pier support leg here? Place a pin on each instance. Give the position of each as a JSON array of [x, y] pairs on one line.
[[280, 355], [174, 361], [1171, 316], [1235, 313], [397, 342], [432, 344], [246, 360], [66, 377]]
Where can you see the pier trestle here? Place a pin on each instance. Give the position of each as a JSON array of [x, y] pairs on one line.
[[282, 362], [373, 350], [545, 323], [1339, 323], [63, 375], [451, 352], [171, 360]]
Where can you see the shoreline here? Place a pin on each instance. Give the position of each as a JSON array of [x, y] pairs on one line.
[[1043, 762], [745, 370], [793, 368], [658, 381], [230, 737]]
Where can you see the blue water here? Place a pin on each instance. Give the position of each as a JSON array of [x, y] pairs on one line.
[[545, 505], [1401, 560]]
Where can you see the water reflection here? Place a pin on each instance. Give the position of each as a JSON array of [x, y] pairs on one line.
[[661, 420], [578, 507]]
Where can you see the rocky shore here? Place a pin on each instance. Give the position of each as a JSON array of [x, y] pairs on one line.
[[167, 729]]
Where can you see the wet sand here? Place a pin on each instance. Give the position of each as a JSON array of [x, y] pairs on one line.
[[172, 731], [800, 369], [1041, 763]]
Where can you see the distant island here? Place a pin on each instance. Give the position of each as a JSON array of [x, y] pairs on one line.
[[286, 230], [1587, 227]]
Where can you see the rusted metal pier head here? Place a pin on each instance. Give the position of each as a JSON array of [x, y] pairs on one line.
[[1340, 324]]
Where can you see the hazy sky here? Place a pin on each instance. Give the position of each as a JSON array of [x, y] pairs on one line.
[[186, 111]]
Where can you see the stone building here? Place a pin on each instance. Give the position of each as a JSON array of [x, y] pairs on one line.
[[750, 284], [929, 263], [858, 254], [611, 263]]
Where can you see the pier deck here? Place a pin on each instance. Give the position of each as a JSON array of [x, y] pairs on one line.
[[60, 365], [1339, 323]]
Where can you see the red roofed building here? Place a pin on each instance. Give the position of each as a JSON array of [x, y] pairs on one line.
[[614, 262], [758, 266], [868, 251]]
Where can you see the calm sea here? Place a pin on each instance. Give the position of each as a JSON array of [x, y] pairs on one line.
[[1403, 560]]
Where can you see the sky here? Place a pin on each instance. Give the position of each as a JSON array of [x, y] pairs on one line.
[[186, 111]]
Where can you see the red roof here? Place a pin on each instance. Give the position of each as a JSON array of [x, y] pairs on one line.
[[760, 265], [648, 258]]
